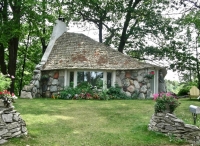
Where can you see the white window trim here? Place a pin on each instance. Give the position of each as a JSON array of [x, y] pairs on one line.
[[67, 77]]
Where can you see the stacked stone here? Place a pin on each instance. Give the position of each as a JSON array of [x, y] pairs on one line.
[[33, 89], [53, 84], [134, 84], [11, 124], [169, 124]]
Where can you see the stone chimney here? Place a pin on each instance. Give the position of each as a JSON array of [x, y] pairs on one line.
[[58, 30]]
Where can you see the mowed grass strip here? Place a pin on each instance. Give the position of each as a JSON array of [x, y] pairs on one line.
[[92, 122]]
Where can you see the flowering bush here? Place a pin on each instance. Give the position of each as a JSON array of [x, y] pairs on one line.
[[166, 102], [150, 75], [7, 98]]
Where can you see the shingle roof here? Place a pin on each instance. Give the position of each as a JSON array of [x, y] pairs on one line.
[[77, 51]]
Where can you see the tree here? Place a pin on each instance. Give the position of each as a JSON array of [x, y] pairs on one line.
[[15, 17]]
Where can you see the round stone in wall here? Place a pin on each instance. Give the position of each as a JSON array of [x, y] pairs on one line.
[[148, 85], [146, 80], [134, 74], [141, 72], [56, 75], [131, 82], [131, 88], [128, 94], [53, 88], [143, 89], [140, 78], [50, 81], [51, 74], [128, 74], [122, 75], [126, 82], [141, 96], [149, 94], [117, 73], [37, 84], [136, 84], [47, 94], [55, 82]]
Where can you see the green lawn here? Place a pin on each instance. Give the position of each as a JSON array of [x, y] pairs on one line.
[[93, 122]]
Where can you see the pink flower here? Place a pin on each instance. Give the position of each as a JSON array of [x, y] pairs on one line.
[[155, 96], [152, 73], [12, 77]]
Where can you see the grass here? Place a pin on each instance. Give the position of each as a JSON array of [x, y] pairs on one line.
[[93, 122]]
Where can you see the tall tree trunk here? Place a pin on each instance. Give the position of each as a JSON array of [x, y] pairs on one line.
[[197, 56], [100, 31], [2, 60], [24, 64], [124, 37], [12, 49], [4, 20], [14, 41]]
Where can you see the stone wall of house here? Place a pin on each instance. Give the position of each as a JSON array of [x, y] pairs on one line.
[[170, 125], [33, 89], [134, 83], [11, 124], [43, 84]]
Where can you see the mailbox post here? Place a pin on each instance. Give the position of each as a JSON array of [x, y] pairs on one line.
[[194, 110]]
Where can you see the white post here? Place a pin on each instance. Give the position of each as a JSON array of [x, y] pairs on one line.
[[75, 79], [65, 78], [156, 81], [68, 79], [104, 80], [113, 78]]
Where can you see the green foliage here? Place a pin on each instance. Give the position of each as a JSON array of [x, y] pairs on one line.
[[183, 91], [115, 93], [4, 82], [186, 88], [173, 86], [165, 102], [85, 91]]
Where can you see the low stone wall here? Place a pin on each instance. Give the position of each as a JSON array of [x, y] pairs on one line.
[[169, 124], [11, 124]]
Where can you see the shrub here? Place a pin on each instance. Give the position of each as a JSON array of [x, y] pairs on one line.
[[165, 102], [183, 91], [115, 93]]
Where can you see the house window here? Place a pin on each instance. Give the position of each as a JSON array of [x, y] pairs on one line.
[[109, 79], [95, 78], [152, 82], [71, 79]]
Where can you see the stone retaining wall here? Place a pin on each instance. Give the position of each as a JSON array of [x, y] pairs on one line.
[[169, 124], [11, 124]]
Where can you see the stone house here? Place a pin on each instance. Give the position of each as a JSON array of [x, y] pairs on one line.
[[75, 58]]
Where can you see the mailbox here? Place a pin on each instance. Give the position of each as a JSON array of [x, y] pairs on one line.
[[194, 110]]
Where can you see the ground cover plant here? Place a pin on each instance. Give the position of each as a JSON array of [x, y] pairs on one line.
[[93, 122]]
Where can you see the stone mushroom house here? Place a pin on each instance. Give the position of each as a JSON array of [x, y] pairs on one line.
[[74, 57]]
